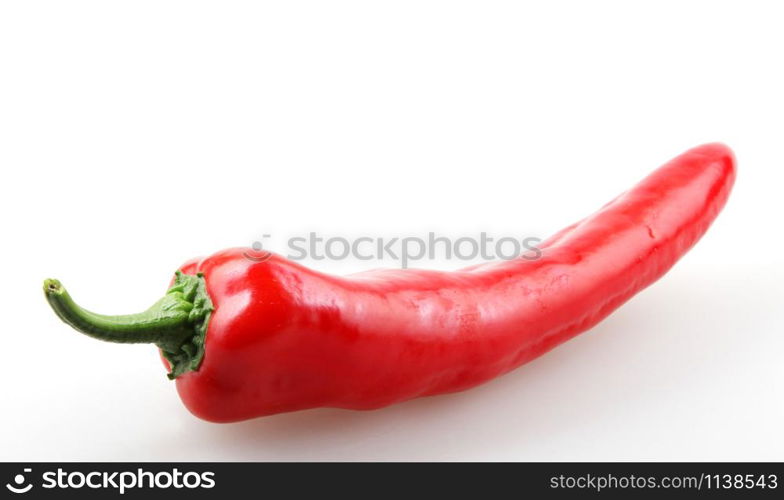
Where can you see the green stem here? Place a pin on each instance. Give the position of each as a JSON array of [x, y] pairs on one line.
[[177, 323]]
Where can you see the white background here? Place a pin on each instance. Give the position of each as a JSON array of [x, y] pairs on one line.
[[135, 135]]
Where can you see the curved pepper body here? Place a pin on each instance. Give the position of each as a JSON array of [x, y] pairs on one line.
[[283, 337]]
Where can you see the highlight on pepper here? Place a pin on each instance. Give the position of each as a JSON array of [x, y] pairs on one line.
[[244, 338]]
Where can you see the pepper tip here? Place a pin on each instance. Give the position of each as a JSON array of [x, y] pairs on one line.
[[52, 286]]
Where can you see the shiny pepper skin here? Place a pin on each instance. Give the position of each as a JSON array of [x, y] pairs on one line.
[[283, 337]]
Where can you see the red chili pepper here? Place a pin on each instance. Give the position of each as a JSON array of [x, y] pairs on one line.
[[245, 338]]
